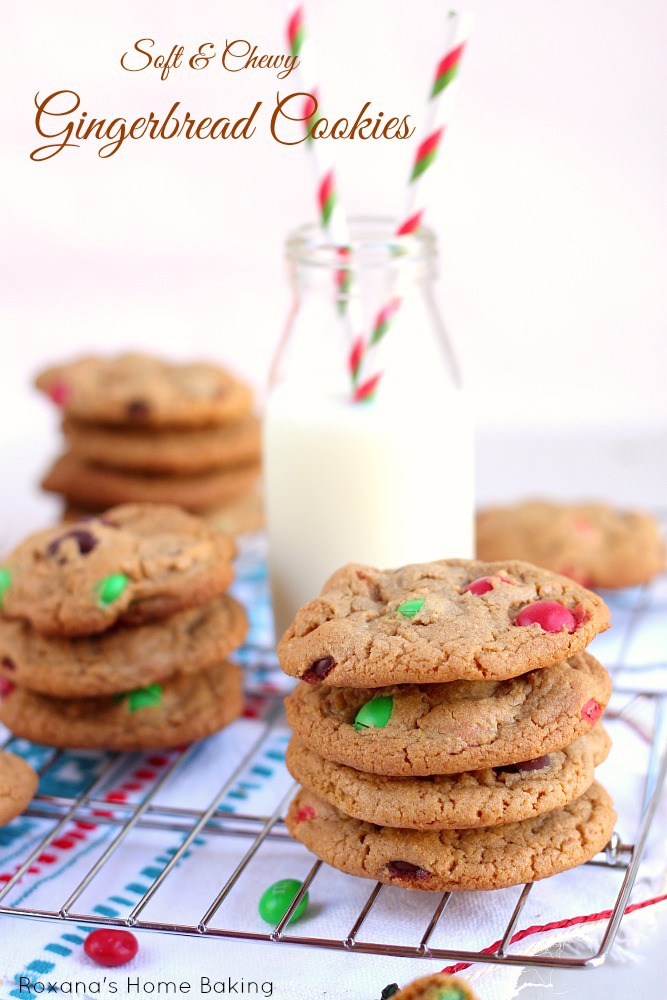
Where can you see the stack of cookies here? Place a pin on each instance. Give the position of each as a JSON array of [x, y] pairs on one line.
[[115, 632], [140, 429], [446, 725]]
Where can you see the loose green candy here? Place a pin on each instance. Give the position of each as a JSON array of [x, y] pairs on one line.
[[410, 608], [375, 713], [5, 580], [276, 899], [111, 587]]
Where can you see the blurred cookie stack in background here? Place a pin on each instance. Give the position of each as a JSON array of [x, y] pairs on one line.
[[115, 632], [446, 724], [140, 429]]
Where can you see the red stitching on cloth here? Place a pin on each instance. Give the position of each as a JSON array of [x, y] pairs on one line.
[[556, 925]]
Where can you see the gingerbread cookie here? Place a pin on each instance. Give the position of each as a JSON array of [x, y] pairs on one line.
[[171, 452], [447, 860], [122, 658], [591, 543], [488, 797], [413, 730], [182, 709], [98, 486], [440, 621], [134, 564], [436, 987], [145, 391], [18, 784]]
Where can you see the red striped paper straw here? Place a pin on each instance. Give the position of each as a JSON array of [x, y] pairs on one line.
[[330, 209], [440, 103]]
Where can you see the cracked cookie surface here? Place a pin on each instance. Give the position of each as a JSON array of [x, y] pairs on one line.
[[18, 784], [448, 620], [454, 727], [122, 658], [184, 708], [135, 563], [590, 542], [449, 860], [486, 797]]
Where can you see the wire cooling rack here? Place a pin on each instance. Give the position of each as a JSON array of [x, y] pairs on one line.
[[142, 811]]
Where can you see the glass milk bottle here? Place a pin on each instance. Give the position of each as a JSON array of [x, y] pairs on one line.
[[386, 481]]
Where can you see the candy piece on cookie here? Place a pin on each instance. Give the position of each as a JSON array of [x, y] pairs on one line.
[[486, 797], [448, 860], [121, 659], [145, 390], [431, 622], [589, 542], [457, 726], [18, 784], [188, 708], [147, 562]]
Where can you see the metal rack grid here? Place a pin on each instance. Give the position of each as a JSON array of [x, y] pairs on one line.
[[213, 820]]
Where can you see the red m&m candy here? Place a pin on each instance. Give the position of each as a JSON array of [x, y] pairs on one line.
[[111, 947], [549, 615]]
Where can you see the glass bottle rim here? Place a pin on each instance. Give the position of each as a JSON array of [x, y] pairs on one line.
[[373, 243]]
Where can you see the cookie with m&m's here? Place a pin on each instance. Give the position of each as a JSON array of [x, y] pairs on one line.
[[145, 391], [589, 542], [448, 728], [133, 564], [436, 987], [121, 659], [489, 796], [441, 621], [185, 708], [447, 860]]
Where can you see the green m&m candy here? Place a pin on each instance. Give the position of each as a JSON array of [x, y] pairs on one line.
[[147, 697], [275, 901], [5, 580], [111, 587], [410, 608], [375, 714]]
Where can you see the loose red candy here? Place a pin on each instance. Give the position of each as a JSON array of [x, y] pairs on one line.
[[549, 615], [111, 947]]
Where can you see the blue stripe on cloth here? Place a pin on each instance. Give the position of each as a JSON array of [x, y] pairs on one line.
[[58, 949]]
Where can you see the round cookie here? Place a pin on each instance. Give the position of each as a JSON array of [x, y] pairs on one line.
[[448, 620], [134, 564], [122, 658], [145, 391], [436, 987], [172, 452], [18, 784], [185, 708], [454, 727], [487, 797], [447, 860], [591, 543], [89, 485]]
